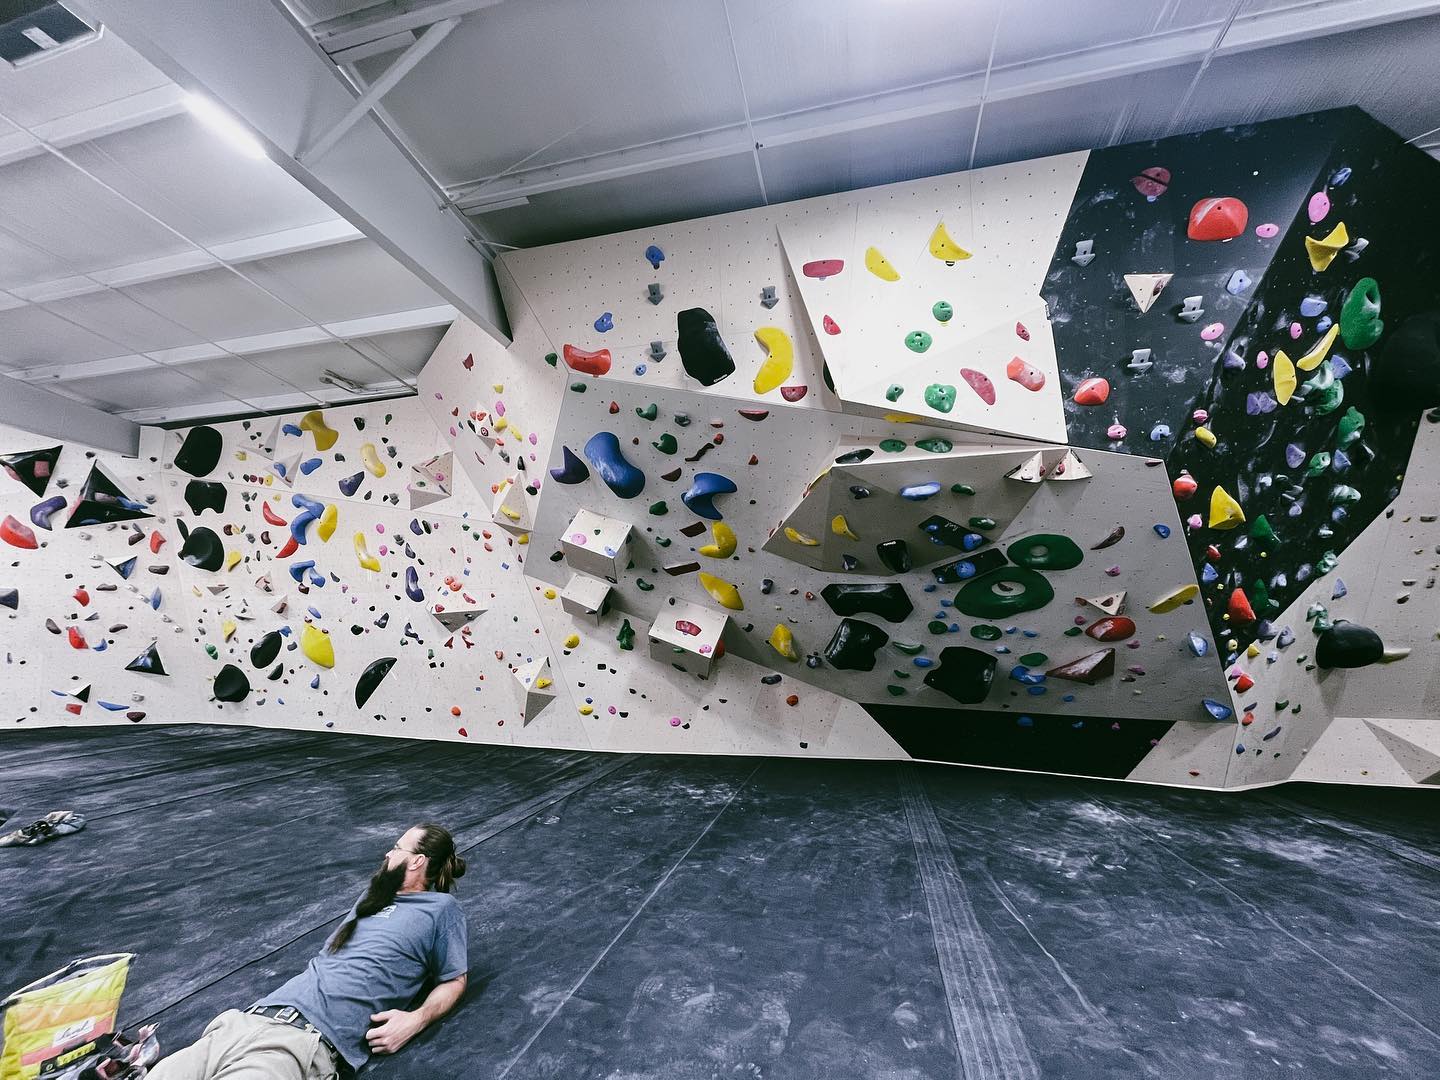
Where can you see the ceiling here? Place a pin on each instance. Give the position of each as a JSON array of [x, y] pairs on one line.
[[150, 269]]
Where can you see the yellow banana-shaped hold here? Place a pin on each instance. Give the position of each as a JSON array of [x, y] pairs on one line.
[[371, 457], [316, 646], [840, 527], [1174, 598], [1311, 360], [722, 592], [325, 527], [724, 542], [1284, 375], [779, 361], [795, 536], [362, 553], [880, 266], [783, 642], [942, 247]]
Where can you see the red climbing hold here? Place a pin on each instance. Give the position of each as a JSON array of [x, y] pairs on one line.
[[831, 326], [791, 393], [77, 639], [73, 708], [1221, 218], [82, 597], [685, 626], [980, 383], [587, 363], [614, 407], [270, 515], [155, 541], [1152, 182], [1092, 392], [1239, 607], [1185, 486], [469, 361], [1111, 628], [291, 546], [1027, 375], [1243, 683], [823, 268], [17, 534]]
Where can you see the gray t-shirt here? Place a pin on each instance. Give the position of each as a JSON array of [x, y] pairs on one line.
[[392, 954]]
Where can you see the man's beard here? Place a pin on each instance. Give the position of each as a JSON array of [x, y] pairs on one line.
[[384, 885]]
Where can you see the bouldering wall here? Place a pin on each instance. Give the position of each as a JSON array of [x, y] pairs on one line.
[[1099, 464]]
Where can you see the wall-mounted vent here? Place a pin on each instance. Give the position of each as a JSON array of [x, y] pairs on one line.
[[31, 28]]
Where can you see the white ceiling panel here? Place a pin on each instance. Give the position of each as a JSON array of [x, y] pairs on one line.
[[124, 321], [57, 209], [30, 337], [22, 263], [302, 368], [515, 78], [217, 305], [102, 71], [344, 281], [188, 177], [407, 351], [235, 377], [1031, 29], [143, 389]]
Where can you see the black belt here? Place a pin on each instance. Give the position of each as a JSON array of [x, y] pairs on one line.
[[288, 1014]]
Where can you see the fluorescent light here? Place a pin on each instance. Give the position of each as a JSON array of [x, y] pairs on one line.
[[224, 125]]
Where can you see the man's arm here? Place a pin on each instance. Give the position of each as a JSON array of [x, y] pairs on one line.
[[396, 1027]]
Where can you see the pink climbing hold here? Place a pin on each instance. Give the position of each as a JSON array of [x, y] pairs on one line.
[[587, 363], [1318, 207], [1267, 231], [831, 326], [1092, 392], [17, 534], [823, 268], [789, 393], [1027, 375], [1116, 431], [1021, 332], [980, 383], [1212, 332]]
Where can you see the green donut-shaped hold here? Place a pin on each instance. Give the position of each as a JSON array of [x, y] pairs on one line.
[[1003, 592], [1045, 551]]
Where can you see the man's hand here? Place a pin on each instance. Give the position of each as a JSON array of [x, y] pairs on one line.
[[394, 1028]]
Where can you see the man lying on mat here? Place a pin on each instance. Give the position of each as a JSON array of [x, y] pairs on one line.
[[350, 1001]]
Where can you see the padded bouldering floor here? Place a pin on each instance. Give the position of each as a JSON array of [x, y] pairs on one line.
[[693, 918]]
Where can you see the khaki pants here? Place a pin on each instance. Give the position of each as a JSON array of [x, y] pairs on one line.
[[243, 1046]]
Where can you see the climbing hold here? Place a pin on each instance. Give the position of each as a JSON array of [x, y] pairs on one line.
[[1239, 281], [880, 266], [794, 393], [626, 636], [840, 527], [723, 544], [1239, 609], [1152, 182], [1360, 323], [1225, 512], [940, 397], [43, 511], [349, 485], [933, 444], [1174, 598], [768, 299], [1145, 289], [654, 256], [703, 490], [943, 311], [371, 678], [721, 591], [779, 359], [200, 452], [1088, 669], [944, 248], [917, 341], [1217, 710], [1112, 538], [895, 554], [148, 662], [1198, 645], [101, 502], [782, 640], [1206, 437], [231, 684], [1006, 591], [1311, 359], [1322, 252], [1317, 207], [1221, 218], [33, 468], [323, 433], [1045, 551], [362, 554], [702, 350], [621, 477], [1027, 375], [200, 495], [1111, 628], [316, 646], [1348, 645], [412, 585], [1094, 391], [964, 674], [572, 470], [203, 549], [1084, 253], [980, 383], [587, 363], [920, 492], [854, 644], [795, 536], [329, 518], [604, 324], [887, 600], [666, 444], [370, 458]]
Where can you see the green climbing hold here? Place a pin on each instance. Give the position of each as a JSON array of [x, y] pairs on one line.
[[666, 444], [213, 652], [1260, 529], [918, 341], [961, 489], [893, 446], [1344, 493], [643, 585], [986, 632], [1045, 551], [893, 392], [984, 524], [649, 412], [935, 445], [551, 359], [1034, 659], [578, 387], [1360, 325], [663, 541], [895, 691], [626, 636], [1074, 631], [1350, 426], [1006, 591], [935, 626], [1319, 462], [940, 397], [907, 648], [1326, 563], [659, 509], [942, 311], [899, 674], [1283, 703]]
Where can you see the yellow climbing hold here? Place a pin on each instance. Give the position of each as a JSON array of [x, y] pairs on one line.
[[721, 591], [549, 594], [523, 538], [316, 646], [499, 388], [783, 642], [1284, 373], [1322, 252], [880, 266], [227, 628], [1312, 359], [840, 527], [232, 559], [572, 641], [501, 423], [724, 542], [1206, 436], [942, 247], [362, 553], [371, 457], [1174, 598], [325, 435], [1252, 650], [513, 515], [541, 684], [1225, 512], [900, 418], [779, 359], [329, 518], [795, 536], [586, 710]]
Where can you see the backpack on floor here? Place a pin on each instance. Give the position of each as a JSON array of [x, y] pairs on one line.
[[63, 1023]]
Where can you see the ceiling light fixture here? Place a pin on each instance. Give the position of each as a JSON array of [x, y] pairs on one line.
[[344, 383], [224, 125]]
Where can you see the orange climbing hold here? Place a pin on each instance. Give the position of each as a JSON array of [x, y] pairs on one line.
[[1239, 608], [587, 363], [1092, 392]]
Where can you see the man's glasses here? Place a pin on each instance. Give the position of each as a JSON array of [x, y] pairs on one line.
[[408, 851]]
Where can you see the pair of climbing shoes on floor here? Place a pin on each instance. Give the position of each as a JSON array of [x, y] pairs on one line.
[[52, 825]]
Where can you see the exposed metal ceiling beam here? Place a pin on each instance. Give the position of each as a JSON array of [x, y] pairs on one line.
[[1016, 81], [34, 409], [380, 21], [211, 49]]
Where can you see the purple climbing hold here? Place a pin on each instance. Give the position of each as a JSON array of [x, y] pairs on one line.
[[42, 512], [572, 471], [412, 585], [1260, 402], [350, 484], [1294, 455]]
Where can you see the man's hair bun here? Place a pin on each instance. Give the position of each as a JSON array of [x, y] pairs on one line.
[[457, 866]]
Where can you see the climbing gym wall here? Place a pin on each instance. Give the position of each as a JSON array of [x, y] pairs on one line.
[[1110, 464]]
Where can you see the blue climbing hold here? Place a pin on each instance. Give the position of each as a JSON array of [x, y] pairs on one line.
[[1216, 710], [700, 498], [310, 511], [412, 585], [1159, 432], [1339, 589], [1339, 176], [573, 471], [655, 256], [621, 477], [1238, 283], [921, 492], [1312, 306], [1209, 575], [311, 464], [1161, 530], [1198, 645], [351, 484], [297, 570], [291, 429], [605, 323]]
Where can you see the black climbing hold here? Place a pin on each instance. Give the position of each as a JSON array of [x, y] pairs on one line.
[[702, 350], [102, 503], [942, 530], [10, 598], [1348, 645], [1045, 551], [895, 554], [854, 644], [231, 684], [964, 674], [148, 662], [33, 468], [1007, 591], [888, 600], [370, 678], [200, 452], [982, 562], [854, 457], [264, 651], [201, 495], [202, 548]]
